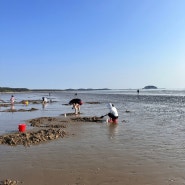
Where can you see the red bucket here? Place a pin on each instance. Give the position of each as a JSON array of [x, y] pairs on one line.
[[22, 127]]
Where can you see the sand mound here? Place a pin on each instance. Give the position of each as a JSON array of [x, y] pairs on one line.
[[19, 110], [93, 102], [32, 138], [51, 122], [87, 119], [5, 104], [9, 182], [53, 130]]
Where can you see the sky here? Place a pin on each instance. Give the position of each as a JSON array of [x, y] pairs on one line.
[[116, 44]]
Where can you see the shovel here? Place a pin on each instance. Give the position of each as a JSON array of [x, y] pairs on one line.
[[103, 115]]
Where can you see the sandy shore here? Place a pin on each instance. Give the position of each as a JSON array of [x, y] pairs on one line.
[[80, 157]]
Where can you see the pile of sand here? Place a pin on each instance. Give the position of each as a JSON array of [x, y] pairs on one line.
[[46, 129], [32, 138], [87, 119], [9, 182], [19, 110]]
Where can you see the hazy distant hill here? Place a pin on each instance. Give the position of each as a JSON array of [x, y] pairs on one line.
[[8, 89], [150, 87]]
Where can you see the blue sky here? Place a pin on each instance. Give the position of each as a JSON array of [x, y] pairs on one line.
[[115, 44]]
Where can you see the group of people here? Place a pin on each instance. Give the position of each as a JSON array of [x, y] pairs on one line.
[[76, 103], [113, 114]]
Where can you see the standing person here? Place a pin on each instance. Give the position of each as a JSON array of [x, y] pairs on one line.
[[113, 114], [12, 100], [138, 91], [76, 105]]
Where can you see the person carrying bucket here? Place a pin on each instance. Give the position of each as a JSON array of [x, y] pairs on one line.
[[113, 114]]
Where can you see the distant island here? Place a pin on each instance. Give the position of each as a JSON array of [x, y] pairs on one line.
[[9, 89], [150, 87]]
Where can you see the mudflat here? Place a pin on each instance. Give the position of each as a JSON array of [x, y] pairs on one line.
[[78, 155]]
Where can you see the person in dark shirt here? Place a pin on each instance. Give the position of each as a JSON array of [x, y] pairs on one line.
[[76, 104]]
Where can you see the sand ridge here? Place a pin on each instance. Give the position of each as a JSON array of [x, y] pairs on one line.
[[44, 129]]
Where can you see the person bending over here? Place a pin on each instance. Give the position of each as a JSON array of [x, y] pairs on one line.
[[76, 104], [113, 114]]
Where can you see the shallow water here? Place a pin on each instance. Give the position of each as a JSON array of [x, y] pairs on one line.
[[145, 147]]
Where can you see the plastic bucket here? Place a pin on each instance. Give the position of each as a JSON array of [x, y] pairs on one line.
[[22, 127]]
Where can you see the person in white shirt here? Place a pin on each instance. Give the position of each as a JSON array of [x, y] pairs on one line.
[[113, 114], [44, 100]]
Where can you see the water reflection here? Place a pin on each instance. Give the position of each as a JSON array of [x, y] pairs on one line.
[[44, 105], [12, 108], [113, 130]]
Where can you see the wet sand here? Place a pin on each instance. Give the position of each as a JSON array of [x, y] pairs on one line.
[[90, 151], [54, 129], [82, 157]]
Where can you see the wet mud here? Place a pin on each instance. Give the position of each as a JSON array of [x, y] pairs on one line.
[[47, 129], [87, 119], [93, 102], [32, 138], [5, 104], [10, 182], [19, 110]]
